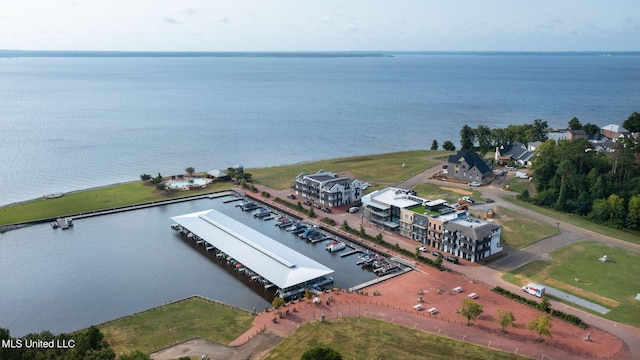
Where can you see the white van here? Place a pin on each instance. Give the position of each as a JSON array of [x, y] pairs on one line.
[[534, 289], [354, 209]]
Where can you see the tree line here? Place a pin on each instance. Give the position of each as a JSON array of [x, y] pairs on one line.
[[89, 344], [570, 176]]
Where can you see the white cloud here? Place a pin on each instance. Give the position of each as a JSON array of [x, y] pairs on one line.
[[190, 11], [169, 20]]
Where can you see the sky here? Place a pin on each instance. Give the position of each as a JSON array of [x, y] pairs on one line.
[[320, 25]]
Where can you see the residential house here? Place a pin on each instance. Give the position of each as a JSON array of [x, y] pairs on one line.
[[328, 188], [517, 152], [468, 166], [613, 131]]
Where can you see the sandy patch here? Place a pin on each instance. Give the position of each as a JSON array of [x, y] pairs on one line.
[[456, 190]]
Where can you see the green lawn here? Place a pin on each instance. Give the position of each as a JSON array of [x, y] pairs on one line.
[[577, 220], [160, 327], [382, 168], [365, 338], [520, 231], [612, 284], [95, 199]]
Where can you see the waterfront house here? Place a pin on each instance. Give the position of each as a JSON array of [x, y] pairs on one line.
[[328, 188], [516, 152], [468, 166]]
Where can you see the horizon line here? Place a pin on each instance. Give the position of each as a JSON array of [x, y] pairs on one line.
[[295, 53]]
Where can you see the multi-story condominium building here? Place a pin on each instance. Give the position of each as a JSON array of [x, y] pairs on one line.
[[327, 188], [434, 223]]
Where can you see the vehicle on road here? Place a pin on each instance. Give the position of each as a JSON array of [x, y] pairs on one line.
[[435, 253], [422, 248], [291, 196], [488, 200], [452, 259], [307, 202], [534, 289], [474, 183], [326, 209], [468, 199]]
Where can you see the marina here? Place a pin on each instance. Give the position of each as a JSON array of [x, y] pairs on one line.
[[264, 259]]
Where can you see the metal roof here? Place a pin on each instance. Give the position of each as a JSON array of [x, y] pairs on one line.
[[279, 264]]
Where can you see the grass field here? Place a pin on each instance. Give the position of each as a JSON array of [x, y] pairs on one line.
[[612, 284], [107, 197], [578, 221], [520, 231], [167, 325], [382, 168], [364, 338]]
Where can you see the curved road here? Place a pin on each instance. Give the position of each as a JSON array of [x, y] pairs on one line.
[[491, 273]]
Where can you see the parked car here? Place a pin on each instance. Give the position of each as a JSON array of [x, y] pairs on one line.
[[354, 209], [307, 202], [291, 196], [488, 200], [422, 248], [474, 183], [452, 259], [317, 206], [468, 199], [435, 253], [326, 209]]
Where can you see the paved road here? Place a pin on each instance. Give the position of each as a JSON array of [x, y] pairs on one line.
[[491, 274]]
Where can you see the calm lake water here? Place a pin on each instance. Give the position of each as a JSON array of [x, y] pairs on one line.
[[71, 123], [114, 265]]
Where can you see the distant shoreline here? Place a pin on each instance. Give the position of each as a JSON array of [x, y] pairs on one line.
[[7, 53]]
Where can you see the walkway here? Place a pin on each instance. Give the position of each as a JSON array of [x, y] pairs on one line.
[[395, 304]]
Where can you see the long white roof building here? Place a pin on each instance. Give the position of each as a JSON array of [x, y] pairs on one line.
[[279, 264]]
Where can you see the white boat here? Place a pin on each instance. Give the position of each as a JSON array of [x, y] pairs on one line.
[[335, 246]]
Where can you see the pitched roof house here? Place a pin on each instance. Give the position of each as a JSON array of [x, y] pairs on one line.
[[517, 152], [468, 166]]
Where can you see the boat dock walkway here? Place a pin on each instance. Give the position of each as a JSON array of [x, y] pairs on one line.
[[152, 204], [351, 252], [379, 280]]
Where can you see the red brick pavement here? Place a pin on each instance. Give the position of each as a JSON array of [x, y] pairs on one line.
[[399, 295]]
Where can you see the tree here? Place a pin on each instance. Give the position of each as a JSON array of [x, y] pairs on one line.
[[448, 145], [541, 325], [434, 145], [277, 302], [190, 170], [321, 353], [632, 123], [145, 177], [416, 254], [471, 310], [467, 138], [544, 304], [505, 319], [483, 135], [574, 124], [438, 261], [590, 128], [633, 213]]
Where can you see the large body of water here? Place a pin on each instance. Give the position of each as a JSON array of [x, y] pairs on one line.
[[74, 123], [77, 122]]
